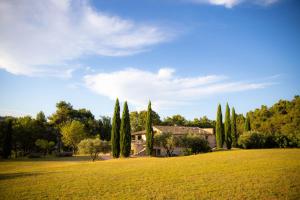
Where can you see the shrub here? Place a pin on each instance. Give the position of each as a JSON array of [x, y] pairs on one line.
[[194, 144], [252, 140], [35, 155], [45, 145], [284, 140], [64, 154], [270, 141], [93, 147], [187, 152], [168, 141]]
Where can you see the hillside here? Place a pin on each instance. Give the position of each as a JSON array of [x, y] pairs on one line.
[[236, 174]]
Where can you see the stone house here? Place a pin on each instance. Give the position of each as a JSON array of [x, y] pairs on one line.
[[138, 139]]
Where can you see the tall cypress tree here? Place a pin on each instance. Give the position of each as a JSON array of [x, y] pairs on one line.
[[115, 131], [219, 128], [227, 127], [7, 139], [149, 131], [247, 123], [125, 136], [233, 128]]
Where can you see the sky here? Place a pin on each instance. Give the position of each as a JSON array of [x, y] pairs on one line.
[[186, 56]]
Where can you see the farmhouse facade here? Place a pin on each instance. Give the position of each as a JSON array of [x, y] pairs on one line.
[[138, 139]]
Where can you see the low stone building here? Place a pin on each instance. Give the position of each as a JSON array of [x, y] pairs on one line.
[[138, 139]]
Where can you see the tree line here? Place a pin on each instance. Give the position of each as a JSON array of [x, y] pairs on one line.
[[64, 128], [276, 126]]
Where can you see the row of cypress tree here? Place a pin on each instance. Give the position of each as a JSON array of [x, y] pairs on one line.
[[149, 131], [121, 135], [227, 133], [120, 132]]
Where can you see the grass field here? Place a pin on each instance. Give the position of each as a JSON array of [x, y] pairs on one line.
[[236, 174]]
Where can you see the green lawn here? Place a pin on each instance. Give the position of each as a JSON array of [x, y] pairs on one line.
[[236, 174]]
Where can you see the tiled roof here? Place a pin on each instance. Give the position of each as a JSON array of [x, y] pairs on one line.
[[177, 130], [180, 130]]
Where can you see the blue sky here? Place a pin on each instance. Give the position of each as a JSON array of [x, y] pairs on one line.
[[185, 55]]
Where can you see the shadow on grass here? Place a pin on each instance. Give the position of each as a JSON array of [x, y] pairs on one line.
[[50, 158], [77, 158], [22, 174]]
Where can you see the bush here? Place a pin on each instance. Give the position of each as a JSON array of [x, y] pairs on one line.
[[270, 141], [284, 140], [45, 145], [187, 152], [167, 141], [252, 140], [64, 154], [194, 144], [35, 155], [93, 147]]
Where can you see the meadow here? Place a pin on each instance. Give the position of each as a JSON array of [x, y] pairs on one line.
[[235, 174]]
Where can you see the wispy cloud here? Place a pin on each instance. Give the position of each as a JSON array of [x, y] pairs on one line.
[[45, 37], [163, 87], [232, 3], [12, 112]]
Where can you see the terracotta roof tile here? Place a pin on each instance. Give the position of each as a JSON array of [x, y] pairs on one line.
[[178, 130]]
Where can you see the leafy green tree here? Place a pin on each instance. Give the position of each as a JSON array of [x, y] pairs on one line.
[[138, 120], [26, 131], [134, 122], [219, 128], [149, 131], [175, 120], [64, 113], [40, 117], [87, 118], [115, 131], [7, 139], [72, 133], [233, 128], [44, 145], [227, 127], [202, 122], [125, 135], [194, 144], [143, 118], [93, 147], [247, 123], [44, 129], [206, 123], [240, 124], [167, 141], [252, 140], [105, 128]]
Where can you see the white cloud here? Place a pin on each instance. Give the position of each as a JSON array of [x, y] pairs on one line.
[[13, 112], [46, 37], [232, 3], [163, 87]]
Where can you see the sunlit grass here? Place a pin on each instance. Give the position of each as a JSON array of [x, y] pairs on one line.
[[237, 174]]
